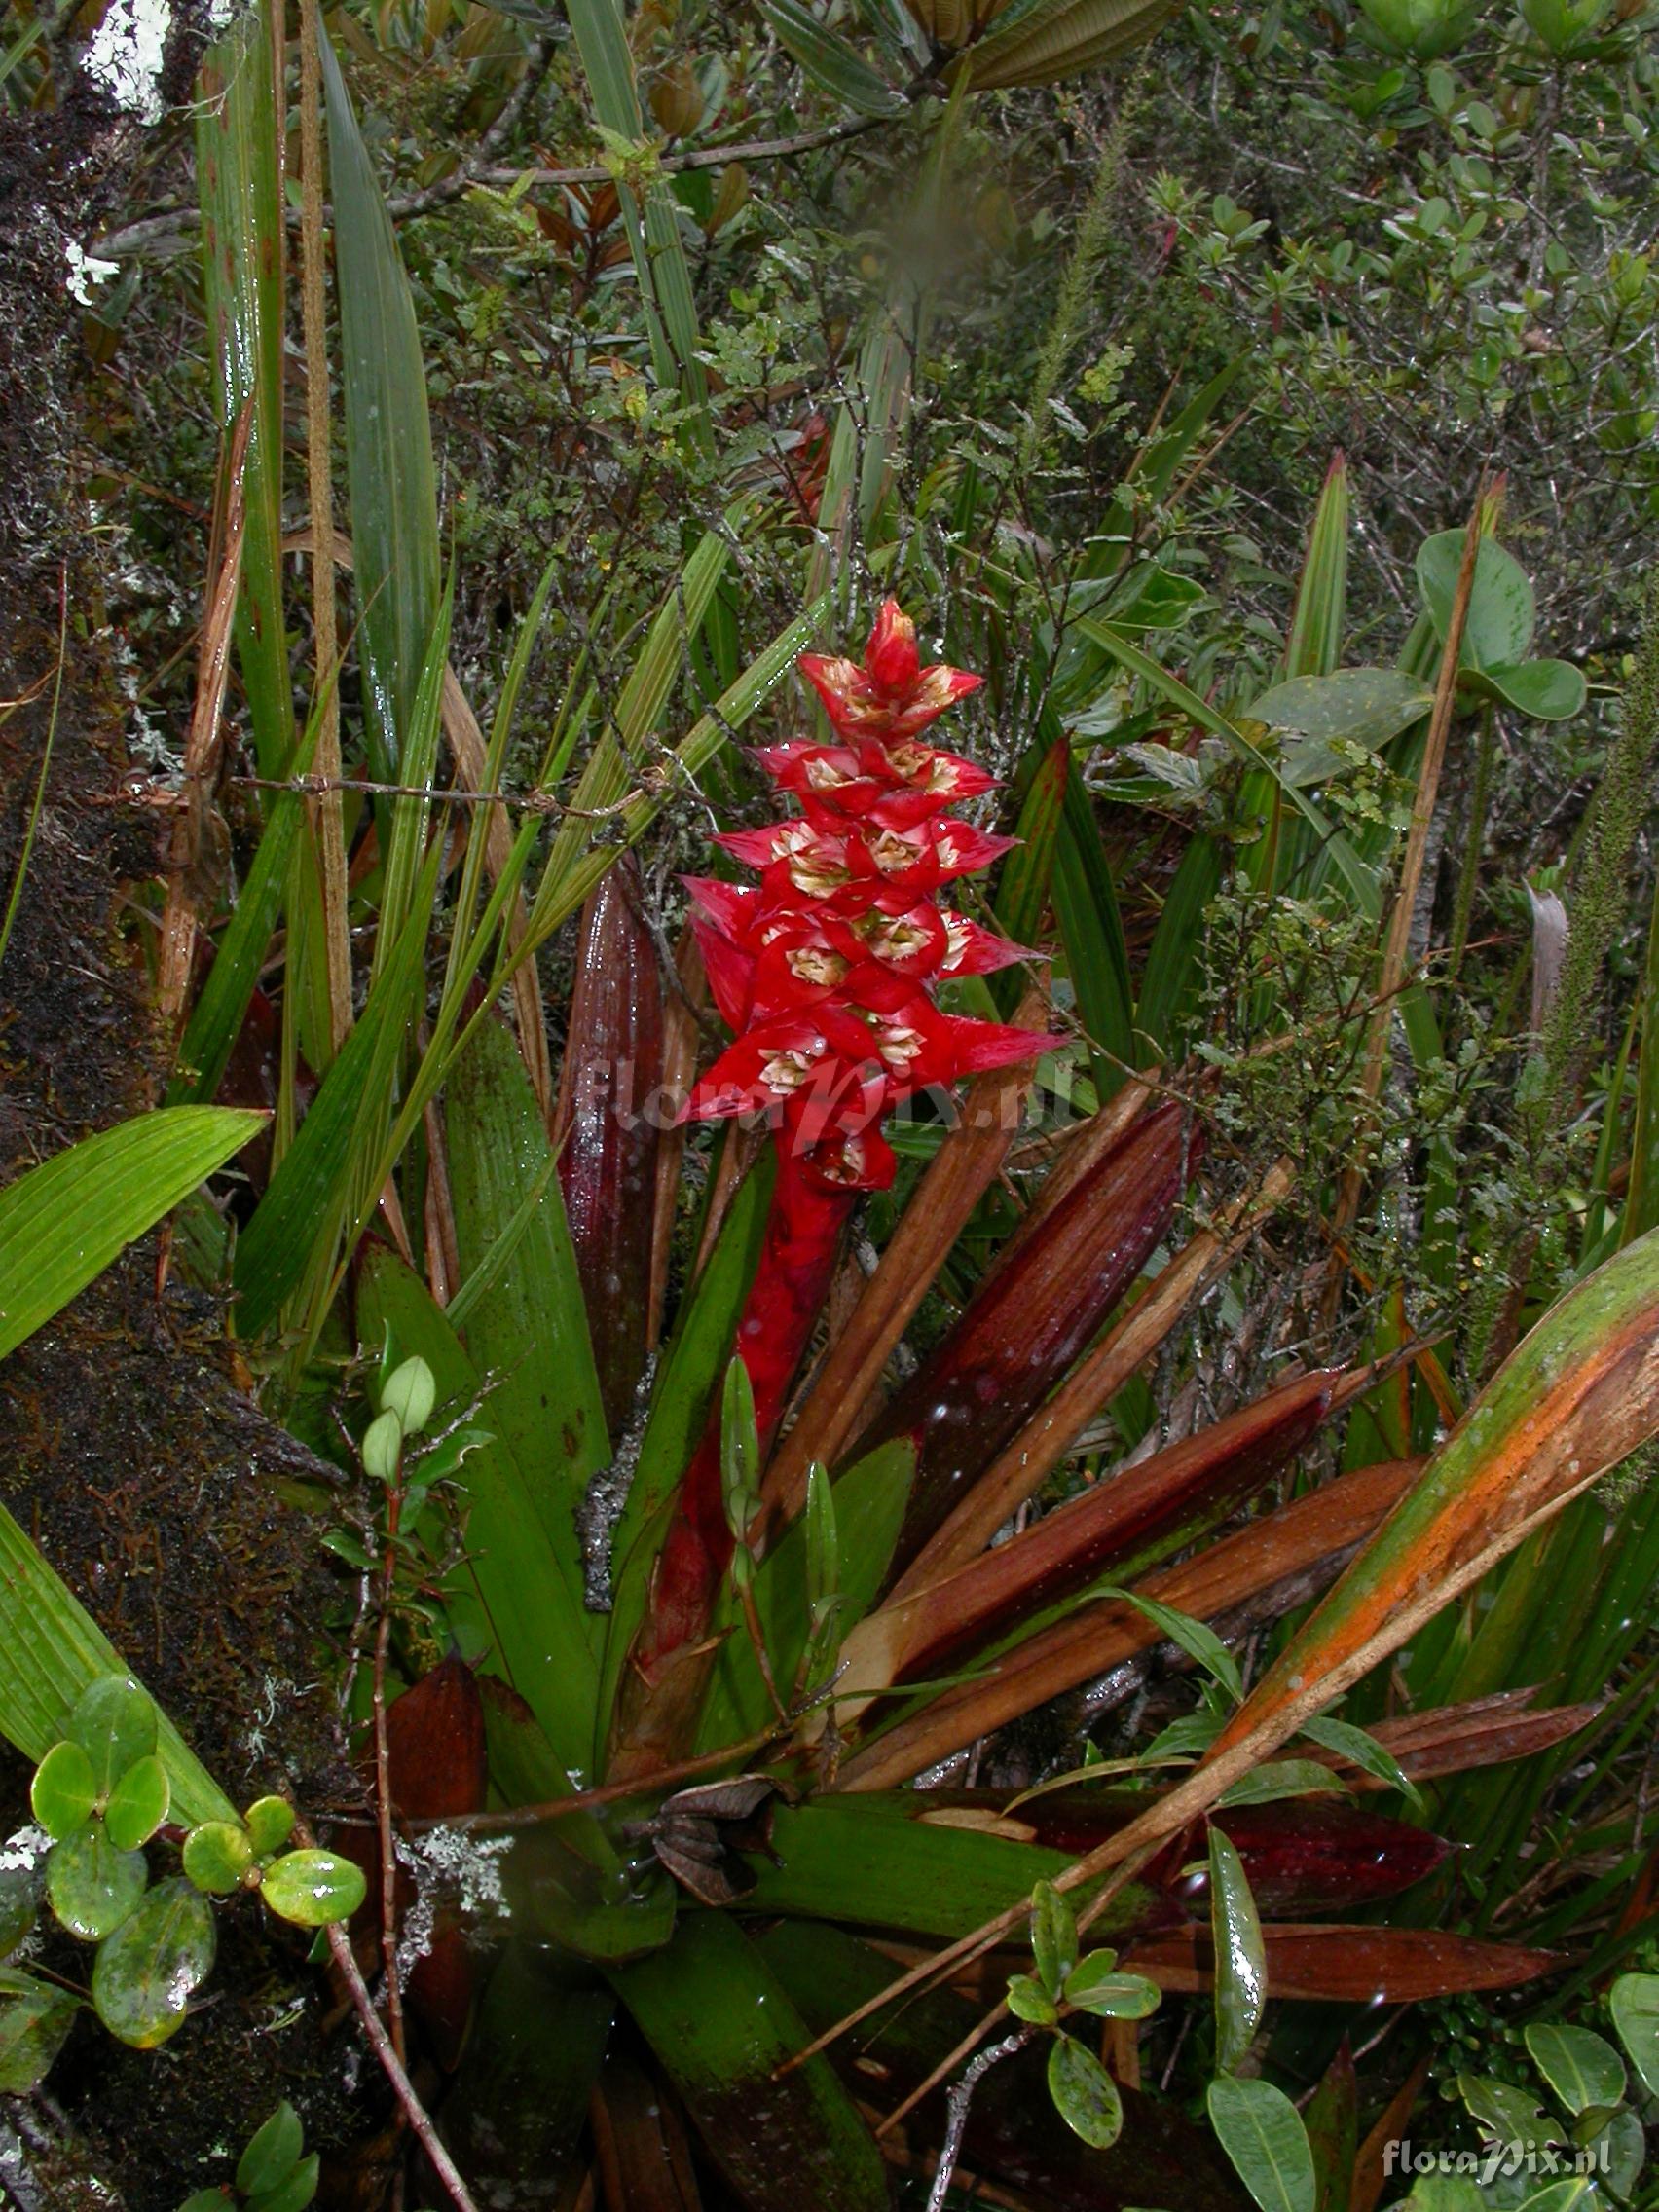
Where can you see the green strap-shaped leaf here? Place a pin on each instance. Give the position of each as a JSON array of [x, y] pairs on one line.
[[529, 1330], [64, 1222], [242, 239], [388, 441], [290, 1239], [722, 2026], [654, 229]]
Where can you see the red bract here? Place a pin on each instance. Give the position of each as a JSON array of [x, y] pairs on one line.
[[826, 973]]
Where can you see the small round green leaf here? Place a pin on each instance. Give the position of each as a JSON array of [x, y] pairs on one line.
[[314, 1887], [1097, 1985], [295, 2194], [114, 1723], [208, 2200], [63, 1790], [273, 2152], [1262, 2132], [137, 1804], [92, 1886], [1028, 2000], [410, 1392], [1084, 2094], [270, 1824], [147, 1971], [216, 1856], [35, 2020]]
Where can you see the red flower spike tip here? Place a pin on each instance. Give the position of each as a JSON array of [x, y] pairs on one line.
[[827, 972]]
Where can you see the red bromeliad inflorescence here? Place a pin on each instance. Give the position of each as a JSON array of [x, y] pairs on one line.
[[826, 973]]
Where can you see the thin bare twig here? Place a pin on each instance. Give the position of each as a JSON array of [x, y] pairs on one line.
[[414, 2111], [158, 237], [960, 2098], [383, 1787]]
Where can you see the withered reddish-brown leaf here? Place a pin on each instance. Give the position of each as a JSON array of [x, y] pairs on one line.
[[1314, 1856], [436, 1756], [1579, 1395], [1032, 1454], [1305, 1857], [1031, 1320], [686, 998], [606, 1126], [644, 2162], [1488, 1732], [1349, 1966], [1126, 1522], [1303, 1542]]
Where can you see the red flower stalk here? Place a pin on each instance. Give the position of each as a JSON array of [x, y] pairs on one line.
[[825, 972]]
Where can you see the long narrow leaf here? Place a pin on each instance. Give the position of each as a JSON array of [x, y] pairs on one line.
[[241, 235], [62, 1223], [388, 439], [51, 1650]]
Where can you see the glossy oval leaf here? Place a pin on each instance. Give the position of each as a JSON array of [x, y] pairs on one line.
[[23, 1884], [92, 1886], [273, 2152], [114, 1723], [270, 1822], [63, 1222], [63, 1790], [1241, 1957], [312, 1888], [1097, 1984], [1028, 2000], [137, 1804], [1635, 2007], [292, 2195], [1583, 2069], [1262, 2132], [1084, 2094], [148, 1971], [35, 2020], [1053, 1937], [216, 1856]]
